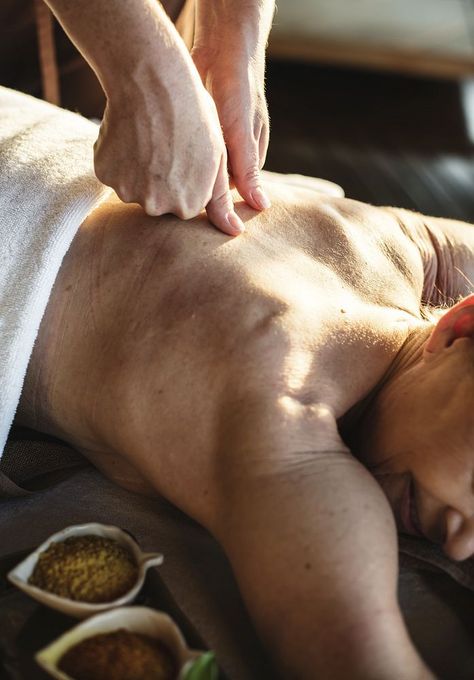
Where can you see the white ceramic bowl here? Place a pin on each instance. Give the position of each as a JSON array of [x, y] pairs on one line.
[[21, 573], [135, 619]]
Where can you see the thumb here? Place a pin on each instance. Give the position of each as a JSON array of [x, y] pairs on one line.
[[245, 164], [220, 209]]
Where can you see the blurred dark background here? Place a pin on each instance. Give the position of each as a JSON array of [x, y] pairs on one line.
[[387, 138], [377, 96]]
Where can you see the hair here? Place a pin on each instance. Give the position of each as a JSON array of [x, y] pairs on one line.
[[432, 314]]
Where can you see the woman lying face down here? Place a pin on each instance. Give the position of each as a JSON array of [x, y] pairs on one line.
[[218, 372]]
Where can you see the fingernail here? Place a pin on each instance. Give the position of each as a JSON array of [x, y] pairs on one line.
[[261, 198], [235, 222]]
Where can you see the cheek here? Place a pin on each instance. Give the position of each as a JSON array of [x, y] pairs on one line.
[[393, 448], [443, 470]]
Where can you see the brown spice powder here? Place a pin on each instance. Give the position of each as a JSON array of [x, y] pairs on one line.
[[121, 655], [86, 569]]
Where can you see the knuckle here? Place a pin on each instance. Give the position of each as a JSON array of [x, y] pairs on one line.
[[153, 201], [124, 193], [222, 201], [191, 204], [251, 176], [197, 206], [101, 172], [186, 212], [120, 185], [151, 207], [245, 165], [124, 197]]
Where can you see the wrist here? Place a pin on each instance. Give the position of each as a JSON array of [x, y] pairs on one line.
[[224, 25], [164, 65]]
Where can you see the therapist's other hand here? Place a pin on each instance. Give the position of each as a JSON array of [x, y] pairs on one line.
[[229, 52], [237, 87], [161, 145]]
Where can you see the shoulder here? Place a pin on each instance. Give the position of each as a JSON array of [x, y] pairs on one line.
[[266, 435]]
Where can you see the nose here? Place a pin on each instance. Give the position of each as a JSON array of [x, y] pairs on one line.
[[459, 541]]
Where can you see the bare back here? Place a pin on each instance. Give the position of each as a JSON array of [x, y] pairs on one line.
[[311, 303]]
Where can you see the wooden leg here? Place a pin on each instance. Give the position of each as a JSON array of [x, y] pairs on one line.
[[466, 87]]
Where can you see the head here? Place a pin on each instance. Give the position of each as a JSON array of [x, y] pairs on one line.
[[418, 435]]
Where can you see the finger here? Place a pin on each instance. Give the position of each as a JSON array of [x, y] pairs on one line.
[[220, 209], [263, 146], [230, 174], [245, 160]]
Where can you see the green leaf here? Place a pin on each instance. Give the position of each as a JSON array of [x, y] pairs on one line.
[[204, 668]]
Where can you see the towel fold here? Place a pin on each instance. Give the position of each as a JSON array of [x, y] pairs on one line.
[[47, 189]]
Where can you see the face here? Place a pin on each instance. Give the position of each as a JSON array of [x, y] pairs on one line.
[[421, 449]]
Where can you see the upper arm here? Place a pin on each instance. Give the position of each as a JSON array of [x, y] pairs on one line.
[[312, 542], [447, 251]]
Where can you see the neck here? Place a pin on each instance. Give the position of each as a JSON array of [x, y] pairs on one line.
[[355, 426]]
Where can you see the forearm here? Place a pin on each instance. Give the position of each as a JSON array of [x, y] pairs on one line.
[[314, 550], [121, 38], [234, 26]]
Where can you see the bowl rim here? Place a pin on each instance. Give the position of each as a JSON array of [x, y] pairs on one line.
[[19, 575], [124, 617]]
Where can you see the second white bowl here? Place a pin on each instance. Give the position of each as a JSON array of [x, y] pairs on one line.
[[135, 619]]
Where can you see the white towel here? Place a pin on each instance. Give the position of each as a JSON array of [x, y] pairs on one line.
[[47, 189]]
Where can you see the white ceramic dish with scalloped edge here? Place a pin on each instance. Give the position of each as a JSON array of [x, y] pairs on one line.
[[21, 573], [134, 619]]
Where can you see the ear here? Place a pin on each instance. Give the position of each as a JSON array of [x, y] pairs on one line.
[[457, 322]]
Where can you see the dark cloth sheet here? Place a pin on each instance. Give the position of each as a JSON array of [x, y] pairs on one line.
[[65, 490], [195, 570]]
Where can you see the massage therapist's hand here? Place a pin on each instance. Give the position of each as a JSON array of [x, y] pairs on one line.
[[163, 148], [160, 143], [229, 53]]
